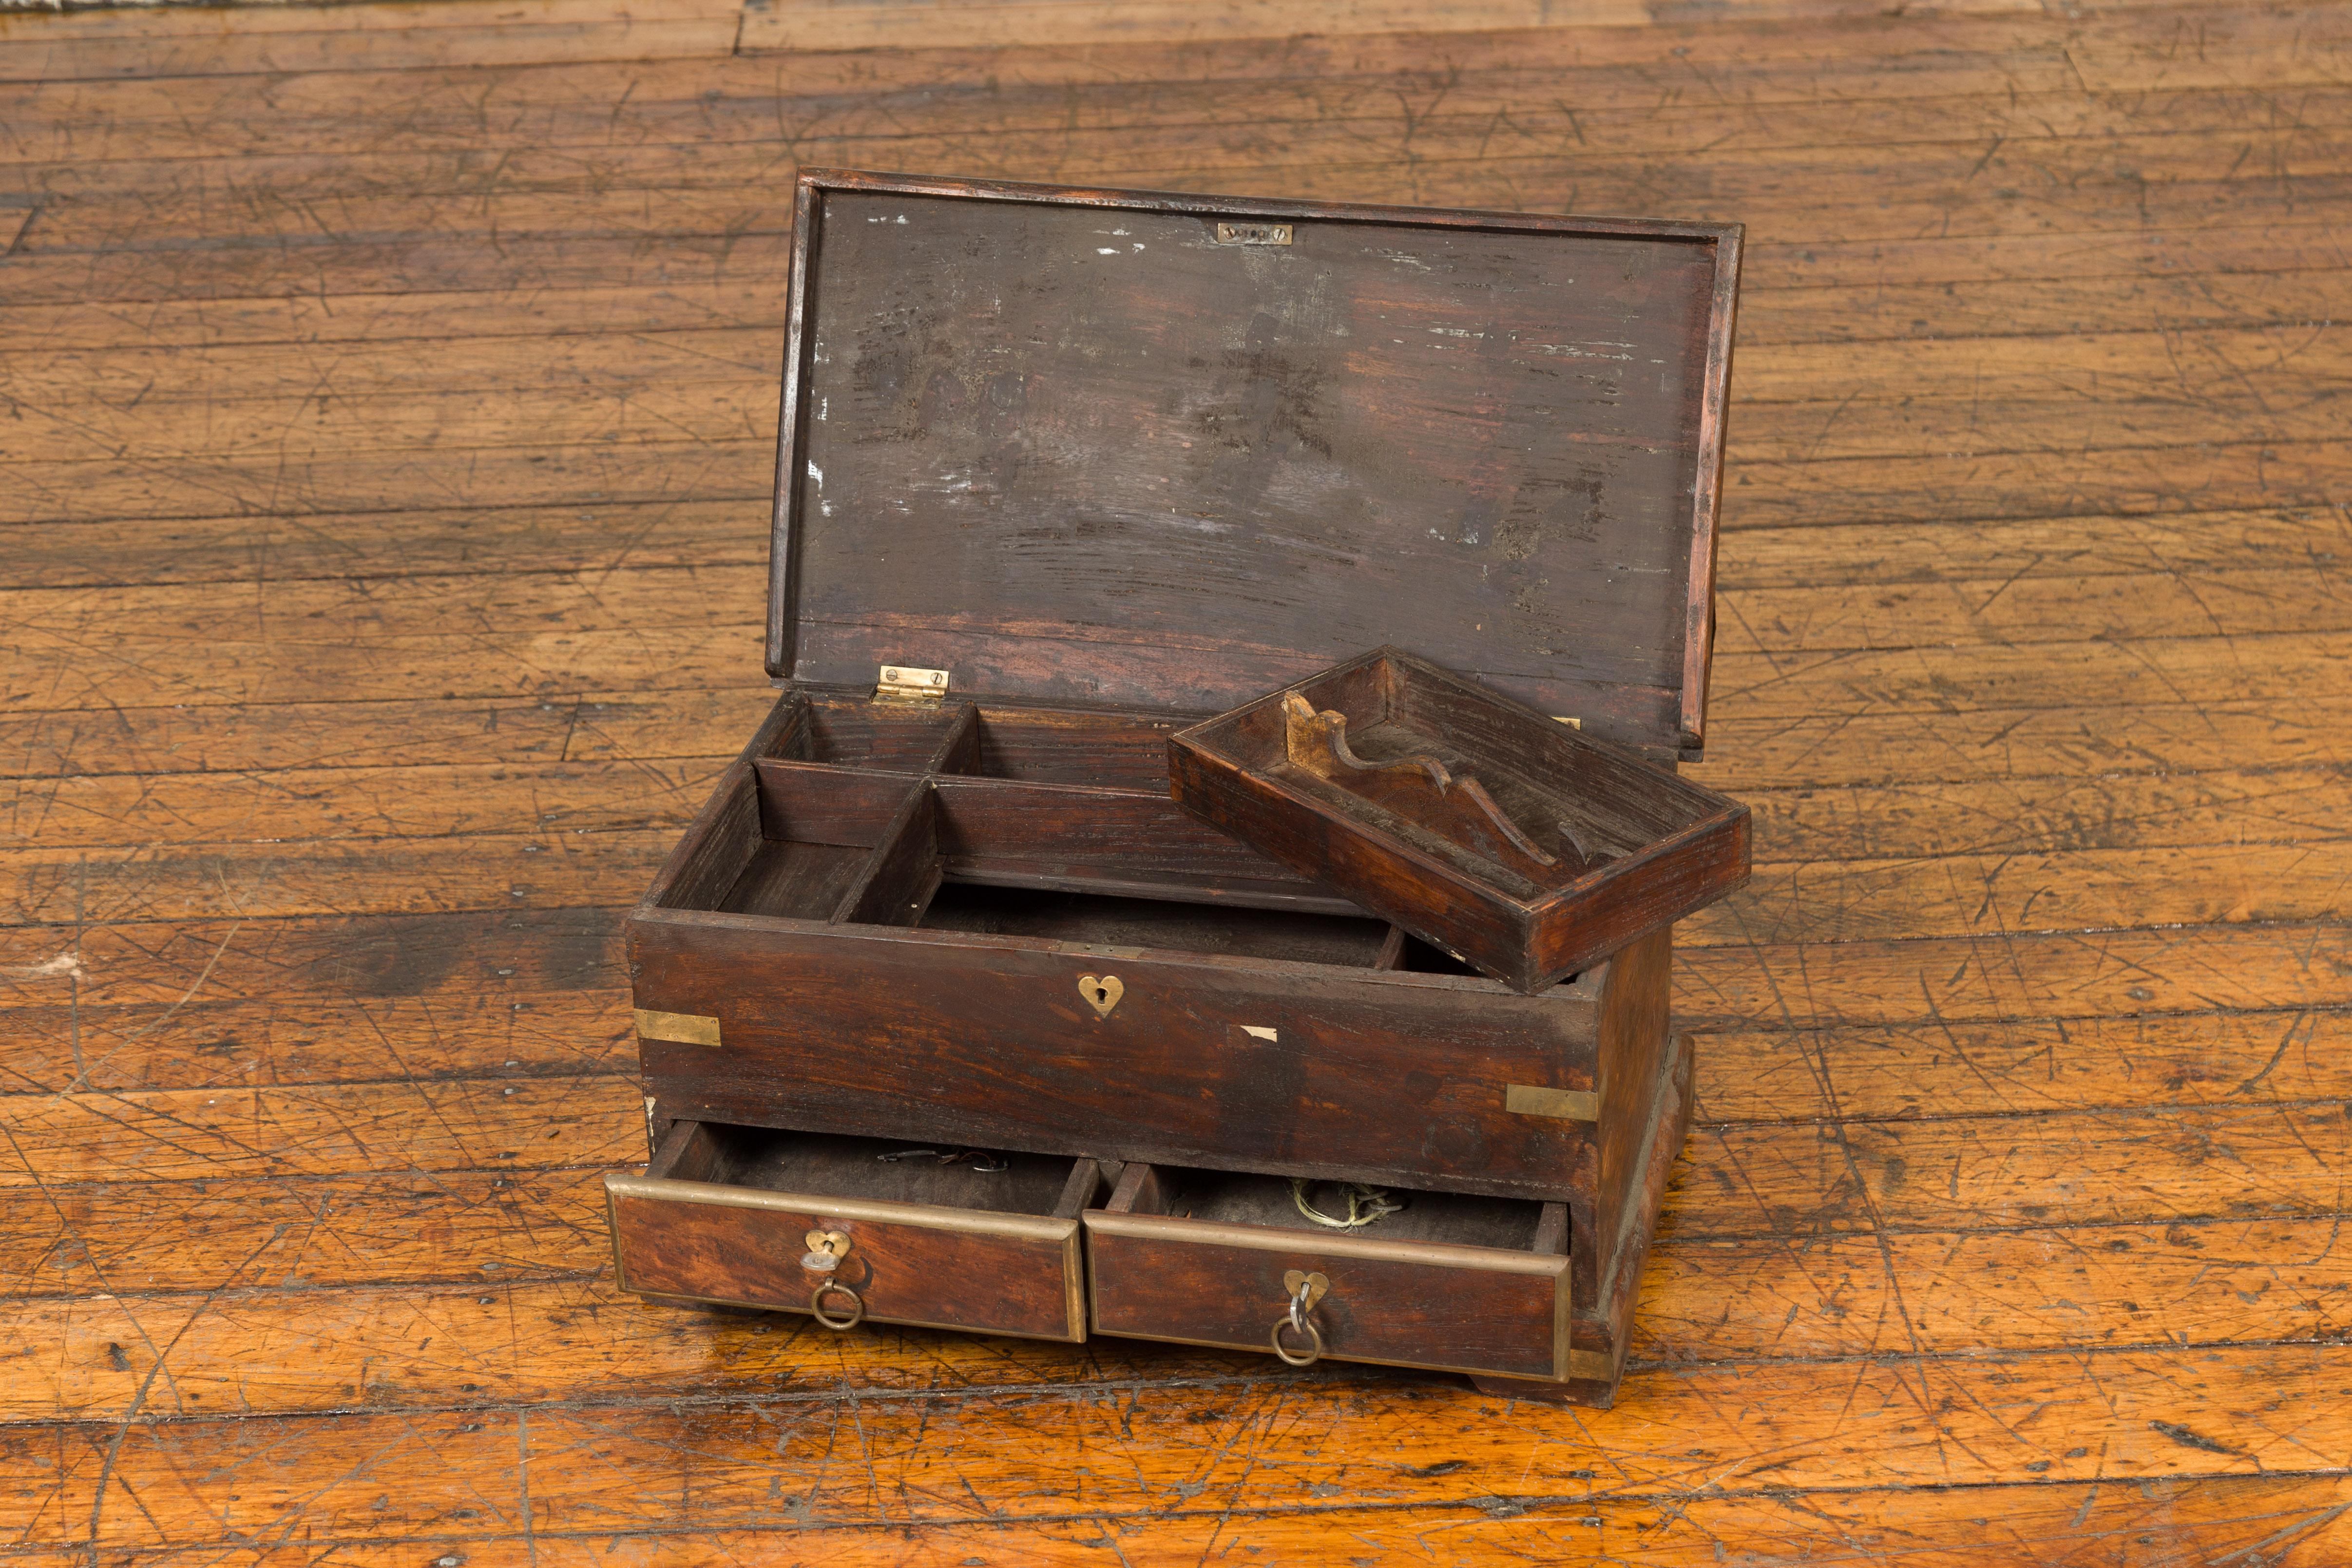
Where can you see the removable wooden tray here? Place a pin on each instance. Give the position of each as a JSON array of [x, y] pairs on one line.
[[1509, 840]]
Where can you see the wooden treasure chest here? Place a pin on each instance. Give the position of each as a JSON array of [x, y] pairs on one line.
[[1209, 873]]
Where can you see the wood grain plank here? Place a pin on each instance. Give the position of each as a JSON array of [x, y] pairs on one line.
[[2021, 1066], [374, 876], [2113, 1416], [319, 1038], [428, 732], [1829, 747], [2038, 815], [504, 956], [145, 104], [441, 361], [369, 802], [678, 304], [382, 1227], [1945, 551], [2018, 976], [421, 141], [200, 1135], [2293, 1522], [419, 542], [579, 475], [654, 31]]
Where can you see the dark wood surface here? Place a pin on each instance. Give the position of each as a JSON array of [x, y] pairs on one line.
[[397, 389], [1072, 444]]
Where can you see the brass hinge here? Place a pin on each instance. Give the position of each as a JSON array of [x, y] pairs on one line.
[[903, 683]]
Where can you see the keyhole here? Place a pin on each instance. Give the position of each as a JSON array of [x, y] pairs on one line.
[[1101, 992]]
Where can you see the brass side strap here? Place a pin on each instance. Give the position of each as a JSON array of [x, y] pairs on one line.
[[678, 1028], [1569, 1104]]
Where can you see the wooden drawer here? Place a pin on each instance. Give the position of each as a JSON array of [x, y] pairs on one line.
[[1450, 1282], [725, 1214]]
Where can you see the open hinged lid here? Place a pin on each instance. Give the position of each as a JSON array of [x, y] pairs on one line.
[[1173, 452]]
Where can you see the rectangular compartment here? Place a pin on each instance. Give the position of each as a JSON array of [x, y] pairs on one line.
[[1077, 838], [794, 844], [724, 1214], [1479, 825], [1449, 1282], [1050, 745], [881, 736]]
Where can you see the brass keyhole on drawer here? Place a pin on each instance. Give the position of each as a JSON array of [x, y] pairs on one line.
[[1305, 1289], [827, 1249], [1102, 991]]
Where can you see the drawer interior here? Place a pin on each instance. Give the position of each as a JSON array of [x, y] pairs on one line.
[[1268, 1203], [825, 1165]]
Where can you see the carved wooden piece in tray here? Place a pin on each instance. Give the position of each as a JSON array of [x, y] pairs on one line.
[[1421, 789]]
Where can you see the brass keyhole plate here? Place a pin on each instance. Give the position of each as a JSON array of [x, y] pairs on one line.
[[1316, 1286], [1102, 991]]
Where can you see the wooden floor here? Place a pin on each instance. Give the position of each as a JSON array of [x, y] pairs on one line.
[[385, 407]]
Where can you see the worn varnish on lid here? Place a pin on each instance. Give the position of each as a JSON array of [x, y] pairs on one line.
[[1174, 452]]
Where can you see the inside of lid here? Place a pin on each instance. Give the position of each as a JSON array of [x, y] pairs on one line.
[[1102, 455]]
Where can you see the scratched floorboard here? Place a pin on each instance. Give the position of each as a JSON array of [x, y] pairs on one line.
[[379, 381]]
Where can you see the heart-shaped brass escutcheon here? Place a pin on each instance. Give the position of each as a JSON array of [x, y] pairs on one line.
[[1102, 991]]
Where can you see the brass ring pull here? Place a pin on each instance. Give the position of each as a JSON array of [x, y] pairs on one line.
[[856, 1315], [1314, 1343], [1305, 1289]]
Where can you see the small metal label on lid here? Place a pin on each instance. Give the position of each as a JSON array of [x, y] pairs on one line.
[[1253, 234]]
